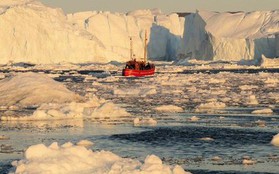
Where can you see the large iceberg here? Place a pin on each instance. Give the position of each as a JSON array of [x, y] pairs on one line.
[[114, 30], [39, 34], [36, 33], [231, 36]]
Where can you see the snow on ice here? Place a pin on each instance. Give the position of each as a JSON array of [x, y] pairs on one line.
[[69, 158]]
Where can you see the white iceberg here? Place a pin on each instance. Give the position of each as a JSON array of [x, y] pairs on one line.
[[69, 158], [231, 36]]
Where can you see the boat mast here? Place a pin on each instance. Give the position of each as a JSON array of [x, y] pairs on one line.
[[145, 47], [131, 48]]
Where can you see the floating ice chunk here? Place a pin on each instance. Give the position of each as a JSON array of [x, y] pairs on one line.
[[260, 123], [145, 122], [53, 112], [216, 81], [135, 92], [69, 158], [4, 137], [210, 106], [85, 143], [206, 139], [6, 148], [169, 108], [109, 110], [194, 118], [252, 100], [248, 162], [91, 90], [275, 140], [263, 111], [271, 81], [95, 83], [91, 109], [27, 89], [248, 87], [216, 158]]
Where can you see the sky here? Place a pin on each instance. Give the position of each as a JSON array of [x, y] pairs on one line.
[[167, 6]]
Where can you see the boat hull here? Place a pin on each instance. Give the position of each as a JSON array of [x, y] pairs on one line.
[[138, 73]]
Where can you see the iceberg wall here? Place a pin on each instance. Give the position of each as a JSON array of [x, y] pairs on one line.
[[231, 36], [114, 30], [39, 34], [36, 33]]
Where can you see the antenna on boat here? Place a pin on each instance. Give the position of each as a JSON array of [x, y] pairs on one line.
[[131, 48], [145, 47]]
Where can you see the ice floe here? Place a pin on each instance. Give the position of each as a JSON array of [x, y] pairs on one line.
[[275, 140], [109, 110], [263, 111], [28, 89], [169, 108], [69, 158], [52, 100], [144, 121], [210, 106]]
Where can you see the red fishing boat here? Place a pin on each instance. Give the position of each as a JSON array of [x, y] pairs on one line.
[[138, 68]]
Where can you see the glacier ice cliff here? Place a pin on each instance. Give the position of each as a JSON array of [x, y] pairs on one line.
[[231, 36], [36, 33]]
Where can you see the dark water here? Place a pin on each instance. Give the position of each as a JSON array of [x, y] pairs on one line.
[[175, 144], [184, 145]]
